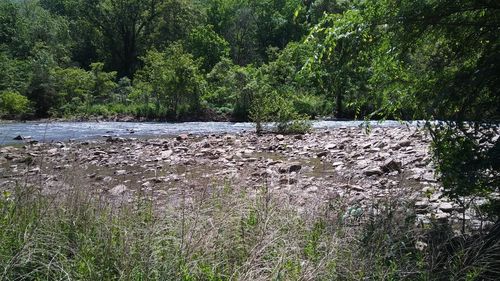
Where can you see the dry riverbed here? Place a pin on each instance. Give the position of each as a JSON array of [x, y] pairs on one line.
[[345, 166]]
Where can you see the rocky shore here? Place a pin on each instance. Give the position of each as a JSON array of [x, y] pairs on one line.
[[348, 166]]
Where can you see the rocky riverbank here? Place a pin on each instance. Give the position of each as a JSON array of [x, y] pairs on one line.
[[345, 166]]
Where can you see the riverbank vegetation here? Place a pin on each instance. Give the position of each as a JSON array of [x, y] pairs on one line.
[[227, 235], [188, 59]]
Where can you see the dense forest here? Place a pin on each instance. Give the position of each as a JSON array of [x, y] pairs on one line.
[[269, 60]]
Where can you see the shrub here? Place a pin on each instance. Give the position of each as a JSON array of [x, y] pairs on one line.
[[13, 104]]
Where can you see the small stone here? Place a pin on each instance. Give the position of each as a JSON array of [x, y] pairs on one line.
[[118, 190], [441, 216], [290, 168], [421, 207], [372, 172], [322, 154], [391, 165], [446, 207], [404, 143], [182, 137], [280, 137], [166, 154], [354, 187], [59, 144], [120, 172], [330, 146]]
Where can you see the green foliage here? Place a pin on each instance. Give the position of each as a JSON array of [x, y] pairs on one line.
[[74, 89], [172, 81], [13, 104], [207, 45], [467, 157], [16, 73], [271, 107], [103, 83]]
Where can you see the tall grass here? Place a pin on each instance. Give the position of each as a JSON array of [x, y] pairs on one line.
[[224, 234]]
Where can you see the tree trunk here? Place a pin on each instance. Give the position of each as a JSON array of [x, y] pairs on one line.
[[339, 107]]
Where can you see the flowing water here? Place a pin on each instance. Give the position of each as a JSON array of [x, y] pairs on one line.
[[64, 131]]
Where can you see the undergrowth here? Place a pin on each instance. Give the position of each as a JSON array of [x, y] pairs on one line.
[[225, 235]]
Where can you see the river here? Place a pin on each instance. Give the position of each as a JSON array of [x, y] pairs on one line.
[[65, 131]]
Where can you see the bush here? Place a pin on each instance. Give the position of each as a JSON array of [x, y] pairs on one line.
[[13, 104], [98, 110], [271, 107]]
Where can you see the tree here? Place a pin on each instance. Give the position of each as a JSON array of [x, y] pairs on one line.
[[207, 45], [103, 83], [172, 81], [125, 26], [342, 58], [74, 90]]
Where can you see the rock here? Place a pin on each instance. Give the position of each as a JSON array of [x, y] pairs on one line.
[[372, 172], [118, 190], [286, 180], [35, 170], [298, 137], [353, 187], [19, 137], [404, 143], [295, 167], [330, 146], [120, 172], [166, 154], [59, 144], [312, 189], [421, 207], [391, 165], [322, 154], [446, 207], [182, 137], [280, 137], [440, 216]]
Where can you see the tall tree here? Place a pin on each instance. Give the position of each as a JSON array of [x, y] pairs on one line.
[[125, 26]]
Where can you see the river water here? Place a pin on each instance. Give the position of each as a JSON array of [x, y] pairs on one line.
[[64, 131]]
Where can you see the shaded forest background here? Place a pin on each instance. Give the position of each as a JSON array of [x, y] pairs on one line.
[[241, 59]]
